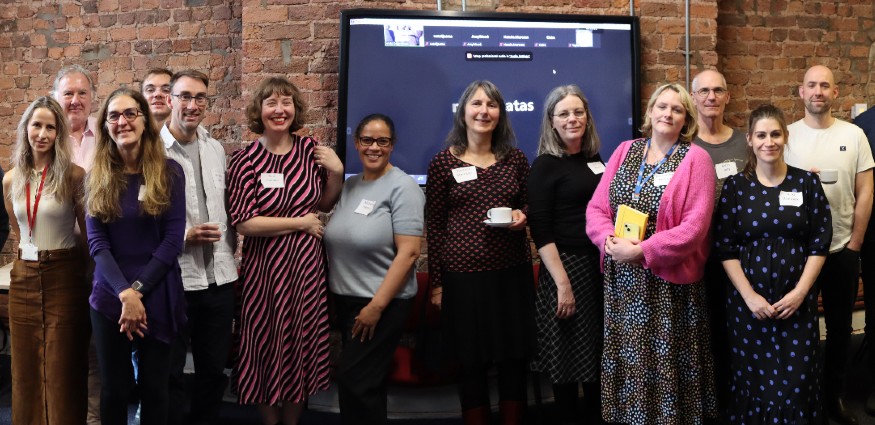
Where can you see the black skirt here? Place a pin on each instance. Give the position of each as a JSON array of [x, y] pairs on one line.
[[488, 316]]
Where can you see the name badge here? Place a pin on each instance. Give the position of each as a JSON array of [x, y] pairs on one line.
[[142, 194], [273, 180], [463, 174], [726, 169], [219, 179], [365, 207], [662, 179], [790, 199], [29, 252], [596, 167]]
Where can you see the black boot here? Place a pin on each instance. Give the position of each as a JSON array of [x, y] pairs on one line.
[[838, 412]]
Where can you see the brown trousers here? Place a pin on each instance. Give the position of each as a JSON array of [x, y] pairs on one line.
[[50, 326]]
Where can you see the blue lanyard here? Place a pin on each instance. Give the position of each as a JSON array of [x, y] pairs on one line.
[[637, 193]]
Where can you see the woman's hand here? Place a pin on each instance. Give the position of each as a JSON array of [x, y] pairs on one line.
[[565, 301], [366, 322], [518, 220], [133, 317], [788, 305], [327, 158], [436, 296], [624, 250], [760, 308], [311, 224]]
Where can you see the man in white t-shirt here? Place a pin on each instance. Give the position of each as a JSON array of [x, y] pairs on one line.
[[840, 152]]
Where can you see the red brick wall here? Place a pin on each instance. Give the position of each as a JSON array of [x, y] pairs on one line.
[[765, 47]]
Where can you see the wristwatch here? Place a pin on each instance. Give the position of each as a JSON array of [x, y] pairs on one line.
[[137, 286]]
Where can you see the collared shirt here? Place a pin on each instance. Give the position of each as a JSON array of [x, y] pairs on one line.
[[191, 260], [83, 152]]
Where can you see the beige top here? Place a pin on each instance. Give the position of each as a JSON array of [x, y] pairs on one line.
[[55, 220]]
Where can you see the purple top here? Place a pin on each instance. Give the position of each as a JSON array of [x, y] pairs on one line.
[[138, 243]]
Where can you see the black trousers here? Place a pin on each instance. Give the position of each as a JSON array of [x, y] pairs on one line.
[[838, 282], [717, 286], [364, 366], [210, 315], [867, 262], [116, 373]]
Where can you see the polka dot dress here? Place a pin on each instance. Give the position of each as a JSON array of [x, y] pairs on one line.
[[775, 375], [657, 366]]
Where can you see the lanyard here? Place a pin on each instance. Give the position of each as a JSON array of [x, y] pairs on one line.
[[637, 193], [31, 220]]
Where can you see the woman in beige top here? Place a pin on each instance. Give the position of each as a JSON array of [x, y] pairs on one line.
[[48, 295]]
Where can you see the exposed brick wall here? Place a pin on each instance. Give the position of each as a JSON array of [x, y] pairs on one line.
[[765, 47]]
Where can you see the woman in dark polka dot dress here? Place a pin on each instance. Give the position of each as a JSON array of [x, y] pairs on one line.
[[657, 366], [773, 234]]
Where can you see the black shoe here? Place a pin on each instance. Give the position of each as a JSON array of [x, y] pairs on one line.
[[839, 413], [870, 404]]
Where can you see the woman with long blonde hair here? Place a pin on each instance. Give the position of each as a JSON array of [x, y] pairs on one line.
[[48, 293], [136, 223]]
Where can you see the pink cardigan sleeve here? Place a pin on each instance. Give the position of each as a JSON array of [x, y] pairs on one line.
[[599, 217], [679, 246]]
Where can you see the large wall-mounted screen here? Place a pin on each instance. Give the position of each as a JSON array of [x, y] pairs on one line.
[[414, 65]]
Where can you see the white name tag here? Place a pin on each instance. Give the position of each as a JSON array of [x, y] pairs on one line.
[[219, 179], [662, 179], [142, 194], [365, 207], [29, 252], [596, 167], [726, 169], [463, 174], [273, 180], [790, 199]]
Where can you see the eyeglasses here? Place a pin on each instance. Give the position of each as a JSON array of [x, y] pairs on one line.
[[129, 114], [718, 91], [199, 100], [380, 141], [578, 113]]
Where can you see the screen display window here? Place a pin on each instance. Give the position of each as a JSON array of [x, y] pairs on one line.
[[413, 66]]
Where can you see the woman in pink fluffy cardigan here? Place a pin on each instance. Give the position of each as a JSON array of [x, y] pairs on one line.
[[657, 366]]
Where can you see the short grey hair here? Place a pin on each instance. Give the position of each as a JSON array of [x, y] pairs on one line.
[[72, 69]]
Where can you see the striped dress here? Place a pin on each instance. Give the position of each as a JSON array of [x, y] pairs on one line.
[[284, 348]]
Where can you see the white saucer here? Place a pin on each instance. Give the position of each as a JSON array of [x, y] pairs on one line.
[[489, 223]]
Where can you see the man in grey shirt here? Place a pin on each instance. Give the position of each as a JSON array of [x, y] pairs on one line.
[[728, 149], [727, 146], [207, 261]]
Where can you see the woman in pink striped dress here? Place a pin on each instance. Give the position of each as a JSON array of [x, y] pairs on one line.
[[276, 185]]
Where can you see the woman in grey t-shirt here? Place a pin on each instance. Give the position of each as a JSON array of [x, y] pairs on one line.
[[373, 241]]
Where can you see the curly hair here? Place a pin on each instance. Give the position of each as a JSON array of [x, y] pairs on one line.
[[267, 88]]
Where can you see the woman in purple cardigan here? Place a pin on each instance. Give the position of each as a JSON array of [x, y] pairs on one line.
[[136, 221], [656, 365]]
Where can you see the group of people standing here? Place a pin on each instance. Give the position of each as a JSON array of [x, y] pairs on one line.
[[641, 314]]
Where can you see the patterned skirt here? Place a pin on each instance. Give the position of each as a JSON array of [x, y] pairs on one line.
[[570, 350], [657, 366]]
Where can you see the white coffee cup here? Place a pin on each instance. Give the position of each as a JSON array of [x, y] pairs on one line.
[[500, 215], [829, 175], [222, 226]]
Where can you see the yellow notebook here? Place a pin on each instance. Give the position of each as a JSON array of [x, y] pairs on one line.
[[630, 224]]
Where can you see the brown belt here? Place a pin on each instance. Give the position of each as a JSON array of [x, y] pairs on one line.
[[55, 254]]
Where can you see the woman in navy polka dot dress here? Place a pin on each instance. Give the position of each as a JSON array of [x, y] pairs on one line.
[[773, 235]]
